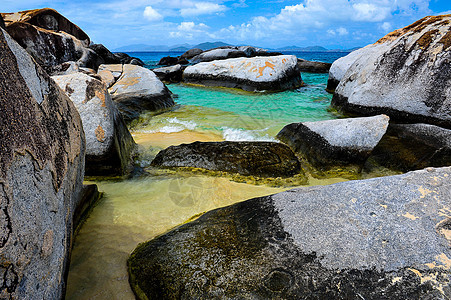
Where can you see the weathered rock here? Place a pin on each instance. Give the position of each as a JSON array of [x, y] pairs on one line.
[[109, 144], [341, 65], [408, 147], [191, 53], [127, 59], [313, 66], [41, 176], [48, 19], [273, 73], [333, 143], [89, 196], [263, 159], [2, 23], [138, 90], [115, 69], [384, 238], [107, 77], [105, 54], [66, 68], [52, 48], [168, 61], [227, 52], [170, 74], [406, 75]]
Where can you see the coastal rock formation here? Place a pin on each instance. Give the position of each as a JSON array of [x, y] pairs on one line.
[[50, 38], [408, 147], [341, 65], [313, 66], [334, 143], [263, 159], [168, 61], [107, 77], [191, 53], [2, 23], [41, 176], [383, 238], [406, 75], [109, 144], [137, 90], [231, 52], [114, 58], [170, 74], [274, 73]]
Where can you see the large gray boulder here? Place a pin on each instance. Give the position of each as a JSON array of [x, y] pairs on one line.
[[109, 144], [384, 238], [335, 143], [408, 147], [231, 52], [51, 39], [263, 159], [274, 73], [191, 53], [406, 75], [137, 90], [172, 74], [41, 176]]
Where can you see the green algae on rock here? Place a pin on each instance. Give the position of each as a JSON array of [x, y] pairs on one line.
[[372, 239], [264, 159]]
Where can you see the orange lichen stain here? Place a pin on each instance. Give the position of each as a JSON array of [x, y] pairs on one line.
[[384, 206], [445, 212], [129, 81], [100, 134], [262, 69], [410, 216], [432, 278], [284, 60], [247, 65], [353, 200], [231, 67], [396, 279], [443, 262], [424, 192], [101, 95]]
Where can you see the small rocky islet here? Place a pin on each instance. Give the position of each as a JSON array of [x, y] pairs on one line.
[[65, 108]]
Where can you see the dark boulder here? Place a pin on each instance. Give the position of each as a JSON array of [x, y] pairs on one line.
[[383, 238], [191, 53], [313, 66], [334, 144], [105, 54], [168, 61], [41, 177], [2, 23], [172, 74], [263, 159], [408, 147]]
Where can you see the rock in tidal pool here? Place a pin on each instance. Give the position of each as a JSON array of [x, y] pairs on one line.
[[42, 161], [384, 238], [263, 159], [313, 66], [406, 75], [170, 74], [408, 147], [273, 73], [137, 90], [335, 143], [109, 144]]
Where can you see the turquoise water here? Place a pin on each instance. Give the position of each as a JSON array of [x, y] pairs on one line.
[[138, 209]]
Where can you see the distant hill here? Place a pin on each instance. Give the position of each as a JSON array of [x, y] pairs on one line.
[[141, 48], [179, 49]]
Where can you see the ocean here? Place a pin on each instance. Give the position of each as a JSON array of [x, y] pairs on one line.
[[135, 210]]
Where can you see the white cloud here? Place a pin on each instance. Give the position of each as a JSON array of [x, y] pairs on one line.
[[448, 12], [240, 3], [151, 14], [191, 30], [202, 8], [342, 31], [370, 12], [386, 27]]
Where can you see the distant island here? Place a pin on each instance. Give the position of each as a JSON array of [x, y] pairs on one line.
[[211, 45]]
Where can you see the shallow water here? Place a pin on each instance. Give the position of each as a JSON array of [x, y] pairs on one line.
[[134, 211]]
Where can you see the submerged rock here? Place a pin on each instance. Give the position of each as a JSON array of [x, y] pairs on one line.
[[137, 90], [408, 147], [263, 159], [313, 66], [335, 143], [406, 75], [384, 238], [274, 73], [170, 74], [109, 144], [41, 176]]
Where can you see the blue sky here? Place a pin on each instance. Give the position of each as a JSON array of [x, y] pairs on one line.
[[276, 23]]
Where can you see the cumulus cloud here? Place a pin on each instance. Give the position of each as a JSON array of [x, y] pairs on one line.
[[386, 27], [202, 8], [191, 30], [151, 14]]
